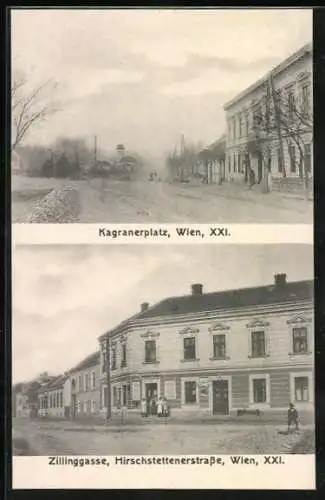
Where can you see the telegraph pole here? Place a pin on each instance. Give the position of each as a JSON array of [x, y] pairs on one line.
[[95, 150], [108, 379]]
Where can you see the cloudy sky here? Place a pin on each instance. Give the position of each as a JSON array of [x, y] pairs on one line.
[[144, 77], [64, 297]]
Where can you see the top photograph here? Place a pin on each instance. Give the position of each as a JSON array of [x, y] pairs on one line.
[[161, 116]]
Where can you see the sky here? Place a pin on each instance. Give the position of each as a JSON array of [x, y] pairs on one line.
[[66, 296], [144, 77]]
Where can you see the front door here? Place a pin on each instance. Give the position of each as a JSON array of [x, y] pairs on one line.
[[151, 391], [220, 397]]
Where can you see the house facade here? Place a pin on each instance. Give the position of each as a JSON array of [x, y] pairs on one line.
[[269, 126], [51, 398], [82, 390], [216, 353]]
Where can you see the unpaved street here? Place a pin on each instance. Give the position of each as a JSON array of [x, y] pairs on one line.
[[60, 438]]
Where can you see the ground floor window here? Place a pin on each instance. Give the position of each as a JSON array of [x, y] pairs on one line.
[[259, 390], [93, 406], [301, 388], [190, 392]]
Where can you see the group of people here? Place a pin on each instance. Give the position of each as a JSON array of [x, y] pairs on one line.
[[154, 406]]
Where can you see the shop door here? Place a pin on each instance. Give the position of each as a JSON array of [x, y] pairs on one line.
[[220, 397]]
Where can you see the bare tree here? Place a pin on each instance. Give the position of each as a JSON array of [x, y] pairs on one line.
[[29, 106], [287, 116]]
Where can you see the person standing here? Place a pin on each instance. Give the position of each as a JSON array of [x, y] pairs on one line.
[[293, 419], [144, 410]]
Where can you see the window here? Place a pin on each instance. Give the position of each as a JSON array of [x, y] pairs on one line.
[[93, 406], [292, 154], [247, 124], [114, 396], [86, 382], [80, 384], [291, 105], [258, 344], [305, 99], [104, 362], [190, 392], [300, 340], [240, 124], [229, 164], [307, 157], [259, 390], [301, 389], [123, 355], [93, 381], [239, 163], [219, 346], [189, 348], [61, 400], [78, 407], [88, 406], [54, 400], [235, 167], [113, 359], [234, 127], [105, 397], [150, 351]]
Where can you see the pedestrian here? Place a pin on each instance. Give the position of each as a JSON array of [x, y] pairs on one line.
[[153, 406], [144, 410], [293, 419], [160, 407], [165, 408]]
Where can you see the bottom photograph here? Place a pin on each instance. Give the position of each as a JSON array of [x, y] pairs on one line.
[[152, 349]]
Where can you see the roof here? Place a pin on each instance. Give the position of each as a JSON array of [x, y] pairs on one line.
[[121, 326], [307, 48], [89, 361], [53, 383], [245, 297]]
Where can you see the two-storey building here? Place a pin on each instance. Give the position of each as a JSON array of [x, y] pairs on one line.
[[217, 352], [269, 126], [83, 385]]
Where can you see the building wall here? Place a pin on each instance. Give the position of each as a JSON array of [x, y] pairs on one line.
[[51, 403], [87, 395], [170, 371], [237, 142]]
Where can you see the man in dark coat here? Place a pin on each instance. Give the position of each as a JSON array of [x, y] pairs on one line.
[[293, 419]]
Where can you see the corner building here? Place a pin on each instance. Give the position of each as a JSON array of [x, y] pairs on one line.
[[216, 353]]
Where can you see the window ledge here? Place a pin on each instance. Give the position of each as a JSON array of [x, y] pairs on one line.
[[150, 362], [225, 358], [259, 356], [189, 360], [300, 353]]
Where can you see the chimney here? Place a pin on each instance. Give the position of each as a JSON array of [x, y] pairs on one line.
[[280, 279], [144, 306], [197, 289]]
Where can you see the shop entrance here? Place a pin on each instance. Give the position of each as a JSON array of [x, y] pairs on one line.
[[220, 397]]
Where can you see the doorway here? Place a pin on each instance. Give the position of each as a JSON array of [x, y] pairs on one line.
[[151, 391], [220, 397]]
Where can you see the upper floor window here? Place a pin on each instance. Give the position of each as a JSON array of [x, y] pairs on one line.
[[104, 362], [80, 383], [258, 344], [234, 127], [240, 125], [61, 400], [305, 99], [300, 340], [93, 381], [189, 348], [219, 346], [123, 355], [86, 381], [291, 105], [307, 157], [150, 351], [113, 357]]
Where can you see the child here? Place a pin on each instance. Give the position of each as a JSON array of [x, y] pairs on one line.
[[293, 419]]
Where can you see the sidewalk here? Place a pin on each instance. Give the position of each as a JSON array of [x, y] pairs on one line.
[[286, 200]]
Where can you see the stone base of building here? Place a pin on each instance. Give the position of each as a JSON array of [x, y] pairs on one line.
[[290, 184]]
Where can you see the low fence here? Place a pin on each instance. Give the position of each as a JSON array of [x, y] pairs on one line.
[[61, 205]]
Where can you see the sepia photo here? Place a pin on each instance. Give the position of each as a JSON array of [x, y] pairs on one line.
[[152, 350], [162, 116]]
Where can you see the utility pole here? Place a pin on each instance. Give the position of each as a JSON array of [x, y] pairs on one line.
[[95, 150], [108, 378]]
